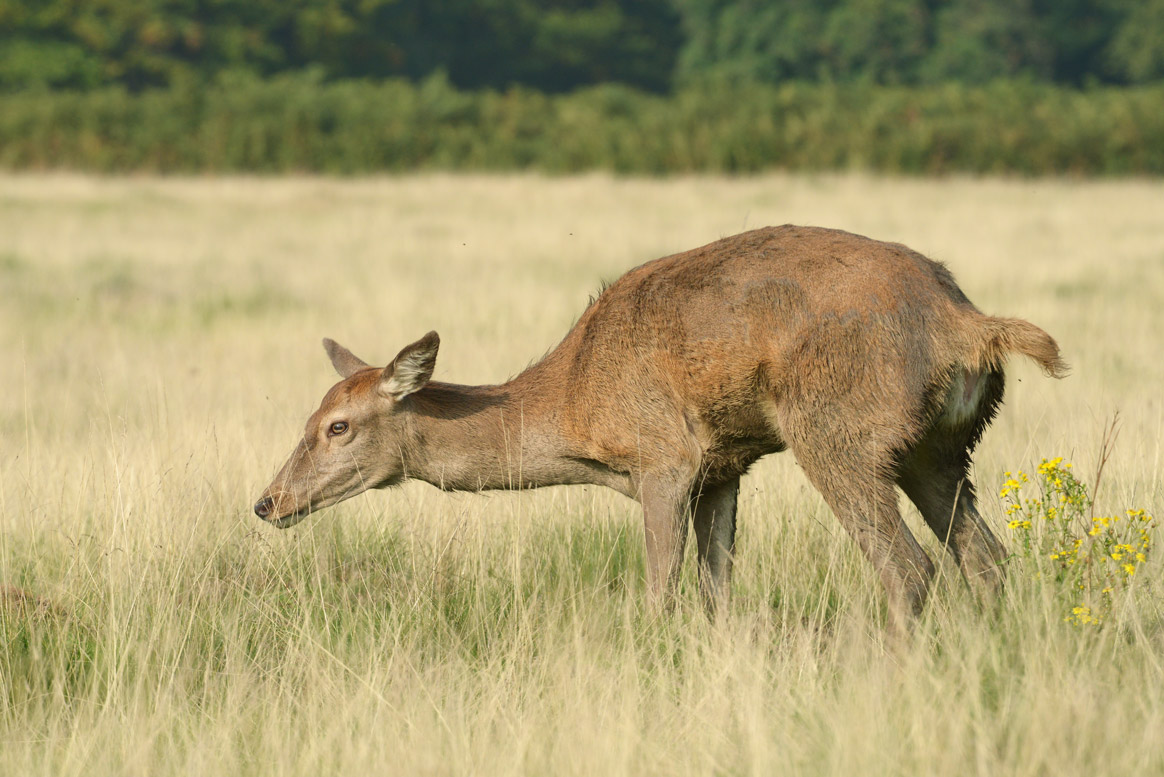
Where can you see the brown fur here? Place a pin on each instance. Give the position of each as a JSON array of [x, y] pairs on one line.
[[863, 357]]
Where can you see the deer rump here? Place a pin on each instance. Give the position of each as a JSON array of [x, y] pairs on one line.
[[864, 358]]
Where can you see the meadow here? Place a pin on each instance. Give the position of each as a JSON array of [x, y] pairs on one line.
[[160, 350]]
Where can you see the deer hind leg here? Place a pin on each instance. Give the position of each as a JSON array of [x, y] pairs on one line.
[[713, 510], [854, 475], [935, 477], [868, 511]]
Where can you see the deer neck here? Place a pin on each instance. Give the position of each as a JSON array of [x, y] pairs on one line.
[[470, 438]]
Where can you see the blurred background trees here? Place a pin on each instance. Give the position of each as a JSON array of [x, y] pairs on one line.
[[642, 86], [560, 45], [551, 45]]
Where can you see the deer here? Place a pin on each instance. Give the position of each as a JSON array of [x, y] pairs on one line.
[[863, 357]]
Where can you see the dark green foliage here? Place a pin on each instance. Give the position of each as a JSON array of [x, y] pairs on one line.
[[752, 41], [552, 45], [1137, 51], [923, 41], [982, 40], [302, 123], [346, 86], [561, 45]]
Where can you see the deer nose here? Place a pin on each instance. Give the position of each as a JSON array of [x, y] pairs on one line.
[[264, 506]]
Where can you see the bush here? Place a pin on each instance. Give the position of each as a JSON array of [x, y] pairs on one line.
[[301, 122], [1091, 560]]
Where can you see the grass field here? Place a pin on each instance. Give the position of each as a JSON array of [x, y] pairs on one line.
[[159, 343]]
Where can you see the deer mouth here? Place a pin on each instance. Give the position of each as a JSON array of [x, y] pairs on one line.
[[266, 508], [287, 521], [284, 507]]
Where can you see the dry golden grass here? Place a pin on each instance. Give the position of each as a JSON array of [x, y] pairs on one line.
[[160, 343]]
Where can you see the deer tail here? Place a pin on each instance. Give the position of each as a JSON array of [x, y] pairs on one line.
[[1001, 337]]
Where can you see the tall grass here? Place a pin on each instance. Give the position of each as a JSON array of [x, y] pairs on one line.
[[160, 343]]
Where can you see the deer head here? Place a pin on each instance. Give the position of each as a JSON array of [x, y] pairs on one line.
[[354, 441]]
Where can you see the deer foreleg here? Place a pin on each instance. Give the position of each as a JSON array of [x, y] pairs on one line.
[[665, 516]]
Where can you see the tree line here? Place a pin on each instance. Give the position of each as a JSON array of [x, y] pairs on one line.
[[557, 46]]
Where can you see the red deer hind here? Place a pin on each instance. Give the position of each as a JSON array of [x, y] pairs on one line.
[[864, 358]]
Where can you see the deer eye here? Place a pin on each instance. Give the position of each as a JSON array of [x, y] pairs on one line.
[[338, 428]]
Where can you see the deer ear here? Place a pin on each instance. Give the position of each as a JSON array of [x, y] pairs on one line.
[[411, 369], [345, 362]]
